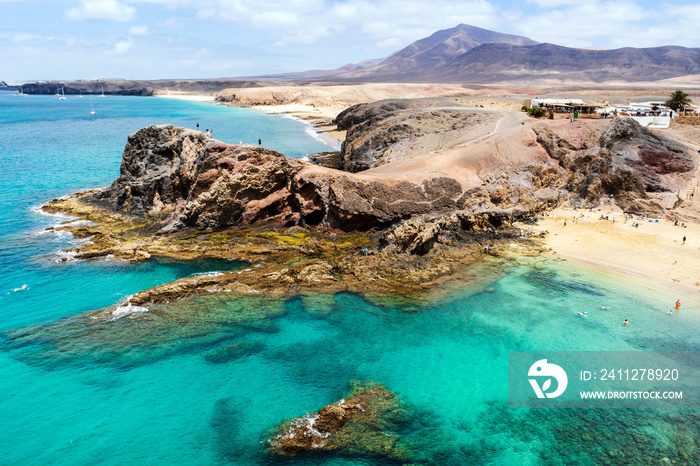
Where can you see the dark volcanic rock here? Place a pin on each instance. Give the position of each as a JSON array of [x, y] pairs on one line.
[[178, 178], [185, 179], [629, 162], [365, 422]]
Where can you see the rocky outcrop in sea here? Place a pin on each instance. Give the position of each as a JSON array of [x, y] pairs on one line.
[[363, 423]]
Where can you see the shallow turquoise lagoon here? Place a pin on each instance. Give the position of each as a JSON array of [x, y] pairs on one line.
[[166, 390], [203, 381]]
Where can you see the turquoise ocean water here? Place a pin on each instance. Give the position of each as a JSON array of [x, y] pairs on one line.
[[203, 382]]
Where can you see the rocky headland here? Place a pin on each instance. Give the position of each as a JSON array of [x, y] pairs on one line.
[[428, 186]]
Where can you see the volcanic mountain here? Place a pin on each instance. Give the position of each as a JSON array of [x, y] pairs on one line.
[[467, 54]]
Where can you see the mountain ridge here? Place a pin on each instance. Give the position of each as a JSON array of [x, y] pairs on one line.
[[469, 54]]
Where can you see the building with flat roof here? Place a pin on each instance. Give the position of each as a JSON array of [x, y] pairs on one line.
[[564, 107]]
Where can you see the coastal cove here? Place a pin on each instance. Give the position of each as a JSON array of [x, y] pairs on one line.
[[208, 378], [55, 148]]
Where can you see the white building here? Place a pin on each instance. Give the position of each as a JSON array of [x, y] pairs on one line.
[[650, 114]]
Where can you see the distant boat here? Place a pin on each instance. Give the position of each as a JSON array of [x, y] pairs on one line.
[[80, 96], [63, 95], [21, 91], [103, 92], [92, 109], [58, 91]]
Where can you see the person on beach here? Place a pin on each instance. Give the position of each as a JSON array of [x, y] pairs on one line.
[[625, 322], [684, 240], [678, 304]]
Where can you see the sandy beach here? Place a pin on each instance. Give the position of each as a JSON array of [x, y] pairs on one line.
[[653, 251]]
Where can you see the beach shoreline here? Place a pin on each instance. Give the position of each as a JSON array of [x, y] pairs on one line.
[[319, 119], [653, 251]]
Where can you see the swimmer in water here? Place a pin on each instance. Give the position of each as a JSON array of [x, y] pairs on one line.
[[603, 307], [625, 322], [678, 304], [584, 314], [670, 311]]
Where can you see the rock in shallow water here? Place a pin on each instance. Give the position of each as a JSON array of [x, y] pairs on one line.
[[363, 423]]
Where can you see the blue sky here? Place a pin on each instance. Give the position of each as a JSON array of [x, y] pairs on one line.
[[151, 39]]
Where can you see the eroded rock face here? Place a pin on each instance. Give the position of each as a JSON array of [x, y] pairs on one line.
[[627, 161], [176, 178], [190, 180], [364, 422], [389, 130], [183, 178]]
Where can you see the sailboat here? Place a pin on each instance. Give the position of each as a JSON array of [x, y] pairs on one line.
[[92, 109], [63, 95], [58, 91], [80, 96], [103, 92]]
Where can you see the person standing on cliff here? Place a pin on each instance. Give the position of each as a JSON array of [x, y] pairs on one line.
[[259, 142], [197, 126]]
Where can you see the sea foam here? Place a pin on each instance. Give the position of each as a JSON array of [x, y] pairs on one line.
[[129, 309]]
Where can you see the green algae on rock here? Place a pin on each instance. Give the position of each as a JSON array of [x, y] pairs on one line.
[[363, 423]]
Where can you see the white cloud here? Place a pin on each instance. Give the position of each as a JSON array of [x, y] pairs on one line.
[[206, 13], [553, 3], [139, 30], [22, 37], [586, 23], [391, 42], [122, 47], [355, 22], [201, 53], [109, 10], [170, 23], [170, 4], [275, 19]]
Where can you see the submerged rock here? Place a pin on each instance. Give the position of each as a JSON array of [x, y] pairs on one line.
[[363, 423]]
